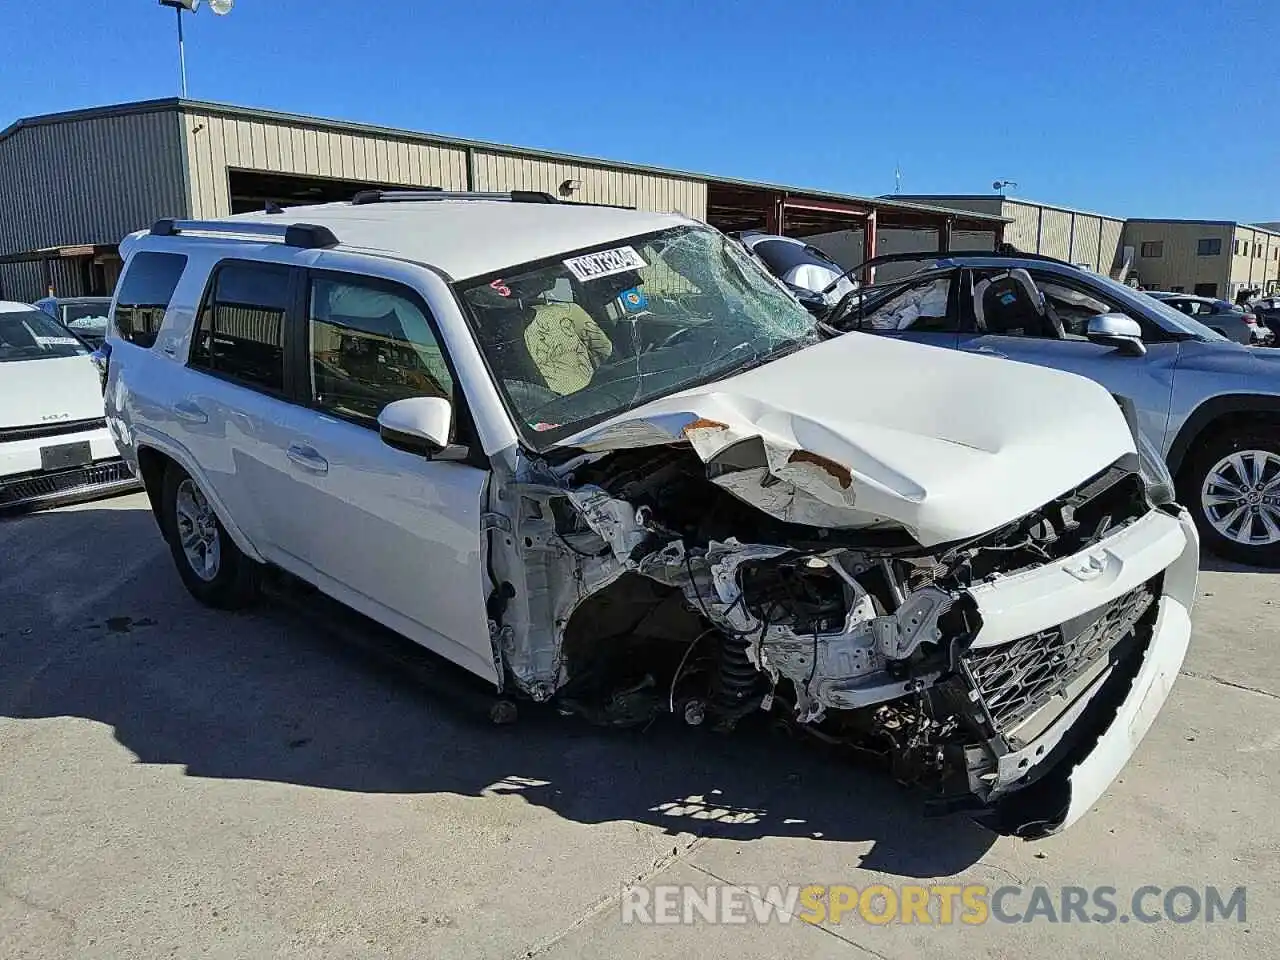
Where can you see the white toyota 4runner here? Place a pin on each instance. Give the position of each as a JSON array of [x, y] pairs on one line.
[[598, 456]]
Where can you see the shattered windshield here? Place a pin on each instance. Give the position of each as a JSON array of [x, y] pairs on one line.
[[574, 340]]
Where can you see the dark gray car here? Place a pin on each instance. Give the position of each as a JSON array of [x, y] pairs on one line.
[[1210, 406]]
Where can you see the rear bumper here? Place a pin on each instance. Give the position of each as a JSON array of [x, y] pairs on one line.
[[1061, 765], [25, 483]]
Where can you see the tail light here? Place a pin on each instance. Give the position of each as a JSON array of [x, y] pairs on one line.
[[1251, 319]]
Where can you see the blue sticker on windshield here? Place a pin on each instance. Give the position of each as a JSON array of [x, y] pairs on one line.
[[633, 300]]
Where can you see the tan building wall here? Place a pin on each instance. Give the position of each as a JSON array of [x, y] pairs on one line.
[[1255, 260], [600, 184], [217, 143], [214, 144], [1091, 239], [1178, 264], [1024, 231]]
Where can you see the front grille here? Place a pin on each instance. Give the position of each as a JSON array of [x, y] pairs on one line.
[[1014, 680], [46, 485], [50, 429]]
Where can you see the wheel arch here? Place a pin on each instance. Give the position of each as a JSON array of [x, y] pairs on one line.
[[1217, 414], [154, 459]]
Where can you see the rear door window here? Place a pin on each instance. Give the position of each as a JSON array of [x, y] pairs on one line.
[[242, 332], [145, 291]]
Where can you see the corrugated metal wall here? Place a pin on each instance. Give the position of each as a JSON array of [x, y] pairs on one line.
[[1055, 233], [647, 191], [88, 180], [1024, 232], [23, 282], [1074, 235], [215, 143], [1109, 257], [1084, 239]]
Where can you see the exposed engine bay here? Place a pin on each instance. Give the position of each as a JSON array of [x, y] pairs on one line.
[[651, 588]]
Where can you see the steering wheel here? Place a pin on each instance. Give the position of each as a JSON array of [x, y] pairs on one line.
[[836, 315]]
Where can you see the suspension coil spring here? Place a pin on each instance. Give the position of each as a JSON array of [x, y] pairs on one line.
[[736, 678]]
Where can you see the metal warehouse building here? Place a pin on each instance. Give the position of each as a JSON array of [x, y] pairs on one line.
[[1090, 240], [73, 184]]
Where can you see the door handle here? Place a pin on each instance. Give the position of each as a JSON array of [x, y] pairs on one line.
[[307, 458], [188, 411]]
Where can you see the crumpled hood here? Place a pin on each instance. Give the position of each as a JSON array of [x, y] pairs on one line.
[[863, 431], [49, 390]]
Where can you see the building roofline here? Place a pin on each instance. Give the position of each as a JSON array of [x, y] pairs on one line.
[[91, 113], [366, 129], [1208, 223], [1002, 197]]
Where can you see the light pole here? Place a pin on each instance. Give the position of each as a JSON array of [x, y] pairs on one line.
[[220, 7]]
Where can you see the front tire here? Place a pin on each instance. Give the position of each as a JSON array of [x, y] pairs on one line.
[[1232, 488], [211, 566]]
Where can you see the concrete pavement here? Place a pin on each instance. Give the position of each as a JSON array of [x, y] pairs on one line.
[[179, 782]]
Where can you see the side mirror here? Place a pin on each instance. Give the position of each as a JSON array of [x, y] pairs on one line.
[[1117, 330], [416, 424]]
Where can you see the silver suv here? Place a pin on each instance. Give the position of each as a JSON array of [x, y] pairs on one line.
[[1211, 406]]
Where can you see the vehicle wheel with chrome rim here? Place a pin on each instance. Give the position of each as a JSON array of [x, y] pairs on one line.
[[1232, 487], [210, 564]]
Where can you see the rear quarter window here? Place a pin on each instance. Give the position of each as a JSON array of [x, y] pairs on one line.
[[145, 291]]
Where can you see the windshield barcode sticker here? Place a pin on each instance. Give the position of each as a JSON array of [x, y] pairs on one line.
[[56, 341], [605, 263]]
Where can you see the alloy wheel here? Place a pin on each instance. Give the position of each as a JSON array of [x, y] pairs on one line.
[[1240, 497], [197, 531]]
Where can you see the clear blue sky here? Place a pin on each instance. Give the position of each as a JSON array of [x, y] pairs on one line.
[[1166, 108]]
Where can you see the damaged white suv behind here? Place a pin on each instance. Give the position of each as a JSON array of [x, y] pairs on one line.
[[597, 456]]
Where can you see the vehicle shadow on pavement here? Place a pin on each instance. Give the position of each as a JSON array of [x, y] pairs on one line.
[[278, 696], [1209, 563]]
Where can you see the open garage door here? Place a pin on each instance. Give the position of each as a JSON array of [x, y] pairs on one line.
[[252, 190]]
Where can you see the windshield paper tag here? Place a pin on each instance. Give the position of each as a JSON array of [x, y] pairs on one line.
[[605, 263], [57, 341]]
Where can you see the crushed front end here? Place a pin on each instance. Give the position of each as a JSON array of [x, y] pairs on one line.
[[1011, 674]]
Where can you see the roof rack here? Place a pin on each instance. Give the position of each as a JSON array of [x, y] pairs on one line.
[[435, 193], [306, 235]]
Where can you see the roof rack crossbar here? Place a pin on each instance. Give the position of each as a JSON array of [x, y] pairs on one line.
[[435, 193], [309, 236]]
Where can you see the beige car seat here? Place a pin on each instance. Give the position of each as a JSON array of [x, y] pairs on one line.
[[566, 345]]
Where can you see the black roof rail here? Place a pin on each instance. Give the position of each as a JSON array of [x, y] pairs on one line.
[[435, 193], [308, 236]]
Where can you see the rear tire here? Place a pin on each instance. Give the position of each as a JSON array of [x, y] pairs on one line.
[[211, 566], [1232, 488]]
